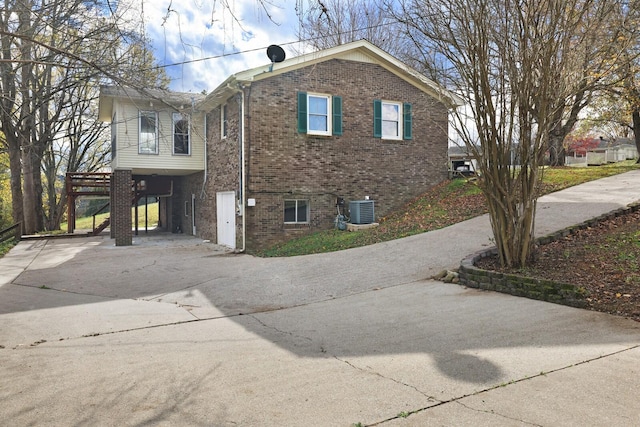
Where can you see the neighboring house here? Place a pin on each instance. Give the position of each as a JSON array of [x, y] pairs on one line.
[[286, 141], [594, 152], [462, 161]]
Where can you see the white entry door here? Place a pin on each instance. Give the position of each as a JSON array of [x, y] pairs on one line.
[[226, 210]]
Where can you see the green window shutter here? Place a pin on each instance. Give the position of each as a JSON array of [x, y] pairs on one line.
[[377, 118], [406, 129], [337, 115], [302, 112]]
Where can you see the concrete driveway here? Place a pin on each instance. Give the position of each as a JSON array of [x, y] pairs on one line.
[[175, 331]]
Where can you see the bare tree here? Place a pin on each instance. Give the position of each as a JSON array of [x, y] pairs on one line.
[[50, 51], [510, 62], [81, 144], [5, 192], [606, 116], [628, 42], [328, 23], [614, 109], [600, 48]]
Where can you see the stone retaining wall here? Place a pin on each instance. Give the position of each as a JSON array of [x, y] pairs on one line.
[[540, 289]]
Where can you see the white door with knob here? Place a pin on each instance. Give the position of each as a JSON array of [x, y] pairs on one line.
[[226, 210]]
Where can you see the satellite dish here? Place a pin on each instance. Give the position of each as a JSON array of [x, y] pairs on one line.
[[275, 53]]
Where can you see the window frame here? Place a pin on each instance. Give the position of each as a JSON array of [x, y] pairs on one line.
[[187, 118], [404, 120], [399, 121], [328, 115], [334, 114], [306, 208], [156, 139]]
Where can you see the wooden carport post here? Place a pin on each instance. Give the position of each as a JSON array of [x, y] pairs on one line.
[[71, 204]]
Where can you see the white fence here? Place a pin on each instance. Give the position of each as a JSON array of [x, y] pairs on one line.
[[603, 156]]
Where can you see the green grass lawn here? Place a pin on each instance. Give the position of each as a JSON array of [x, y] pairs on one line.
[[86, 223], [448, 203], [6, 246]]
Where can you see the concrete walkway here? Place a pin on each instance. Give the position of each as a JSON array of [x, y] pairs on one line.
[[176, 331]]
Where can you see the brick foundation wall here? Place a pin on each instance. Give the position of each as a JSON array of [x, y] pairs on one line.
[[121, 196], [164, 222], [205, 206]]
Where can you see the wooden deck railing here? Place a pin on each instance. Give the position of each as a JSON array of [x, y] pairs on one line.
[[13, 232]]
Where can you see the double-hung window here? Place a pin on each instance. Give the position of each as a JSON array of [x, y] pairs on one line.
[[296, 211], [319, 114], [392, 120], [181, 134], [148, 137], [391, 123]]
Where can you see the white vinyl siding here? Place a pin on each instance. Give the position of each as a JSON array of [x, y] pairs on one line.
[[164, 162]]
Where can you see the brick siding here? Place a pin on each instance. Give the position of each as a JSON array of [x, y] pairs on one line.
[[284, 164], [121, 196]]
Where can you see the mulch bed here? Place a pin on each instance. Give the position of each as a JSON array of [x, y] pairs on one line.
[[603, 259]]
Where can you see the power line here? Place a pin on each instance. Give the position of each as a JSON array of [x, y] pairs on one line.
[[191, 61]]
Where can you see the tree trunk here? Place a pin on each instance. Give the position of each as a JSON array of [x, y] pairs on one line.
[[32, 190], [512, 213], [30, 225], [636, 129], [38, 192], [556, 150], [15, 168]]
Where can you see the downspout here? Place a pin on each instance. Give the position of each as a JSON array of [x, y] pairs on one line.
[[204, 180], [243, 173]]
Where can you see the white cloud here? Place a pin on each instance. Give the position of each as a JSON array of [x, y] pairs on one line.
[[192, 30]]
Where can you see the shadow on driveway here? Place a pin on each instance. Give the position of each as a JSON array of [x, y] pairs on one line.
[[362, 302]]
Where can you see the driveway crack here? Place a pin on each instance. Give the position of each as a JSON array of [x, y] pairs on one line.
[[489, 389], [280, 331], [372, 372], [491, 412]]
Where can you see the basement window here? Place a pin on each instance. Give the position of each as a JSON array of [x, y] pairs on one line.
[[296, 211]]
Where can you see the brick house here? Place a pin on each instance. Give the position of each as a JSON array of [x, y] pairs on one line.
[[285, 141]]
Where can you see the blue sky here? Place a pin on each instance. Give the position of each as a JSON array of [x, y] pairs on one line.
[[198, 29]]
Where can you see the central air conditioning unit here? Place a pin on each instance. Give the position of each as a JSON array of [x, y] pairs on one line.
[[361, 211]]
